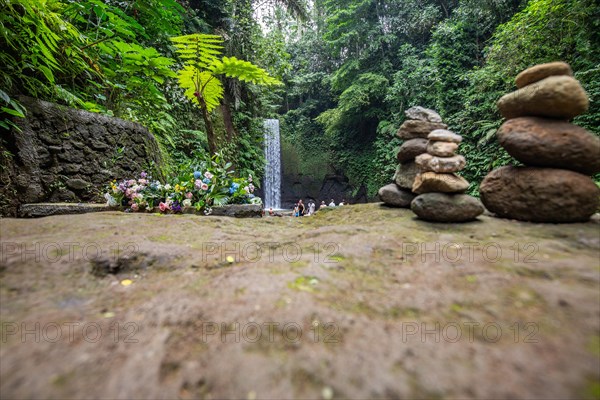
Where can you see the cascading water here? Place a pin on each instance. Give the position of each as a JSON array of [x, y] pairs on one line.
[[273, 169]]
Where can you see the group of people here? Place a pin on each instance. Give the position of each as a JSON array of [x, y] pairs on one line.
[[301, 210]]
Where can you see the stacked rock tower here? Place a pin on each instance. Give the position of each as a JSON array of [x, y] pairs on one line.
[[420, 122], [554, 185], [440, 190]]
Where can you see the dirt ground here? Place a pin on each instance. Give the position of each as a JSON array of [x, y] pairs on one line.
[[355, 302]]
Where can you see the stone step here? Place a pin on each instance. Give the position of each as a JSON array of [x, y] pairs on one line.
[[37, 210]]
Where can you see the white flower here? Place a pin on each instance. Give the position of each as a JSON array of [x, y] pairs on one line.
[[110, 201], [187, 203], [167, 187]]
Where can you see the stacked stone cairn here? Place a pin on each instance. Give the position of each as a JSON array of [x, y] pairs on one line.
[[441, 192], [419, 123], [554, 185]]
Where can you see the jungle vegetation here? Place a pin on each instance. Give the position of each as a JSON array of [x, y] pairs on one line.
[[202, 74]]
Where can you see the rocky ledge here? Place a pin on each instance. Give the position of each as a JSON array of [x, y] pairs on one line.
[[38, 210]]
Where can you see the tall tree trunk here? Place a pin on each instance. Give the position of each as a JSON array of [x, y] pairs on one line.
[[227, 119], [210, 131]]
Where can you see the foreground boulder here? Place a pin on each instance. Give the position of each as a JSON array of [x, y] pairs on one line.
[[394, 196], [549, 143], [427, 182], [539, 194], [545, 194], [542, 71], [560, 97], [443, 207]]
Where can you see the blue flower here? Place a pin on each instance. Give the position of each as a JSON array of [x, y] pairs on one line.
[[197, 174], [233, 188], [206, 180]]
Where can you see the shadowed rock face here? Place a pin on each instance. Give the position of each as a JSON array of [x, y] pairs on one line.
[[539, 194], [63, 154], [379, 296]]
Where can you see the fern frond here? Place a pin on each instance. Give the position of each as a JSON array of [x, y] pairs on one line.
[[193, 81], [242, 70], [198, 48]]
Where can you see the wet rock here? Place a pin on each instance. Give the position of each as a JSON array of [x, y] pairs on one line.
[[555, 97], [427, 162], [442, 207], [410, 149], [542, 71], [394, 196], [444, 135], [422, 114], [405, 175], [550, 143], [540, 194], [413, 129], [442, 149], [447, 183]]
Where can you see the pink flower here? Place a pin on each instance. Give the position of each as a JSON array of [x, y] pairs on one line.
[[189, 195], [135, 207], [208, 175], [163, 207], [204, 186], [131, 182], [128, 193], [198, 184]]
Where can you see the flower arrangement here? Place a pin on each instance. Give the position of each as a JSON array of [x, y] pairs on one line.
[[201, 185]]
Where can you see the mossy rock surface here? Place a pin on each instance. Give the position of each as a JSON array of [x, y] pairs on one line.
[[357, 301]]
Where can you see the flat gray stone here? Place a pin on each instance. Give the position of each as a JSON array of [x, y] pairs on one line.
[[411, 149], [394, 196], [442, 207], [406, 174], [231, 210], [427, 162], [37, 210], [422, 114], [444, 135]]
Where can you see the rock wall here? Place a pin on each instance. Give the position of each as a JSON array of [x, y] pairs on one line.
[[67, 155]]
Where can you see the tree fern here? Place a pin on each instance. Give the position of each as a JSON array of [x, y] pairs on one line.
[[202, 66]]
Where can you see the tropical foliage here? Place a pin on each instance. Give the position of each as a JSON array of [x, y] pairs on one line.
[[361, 63], [202, 67]]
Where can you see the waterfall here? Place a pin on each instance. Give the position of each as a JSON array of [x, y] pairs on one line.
[[272, 187]]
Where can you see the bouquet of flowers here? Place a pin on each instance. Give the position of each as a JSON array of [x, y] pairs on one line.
[[201, 185]]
